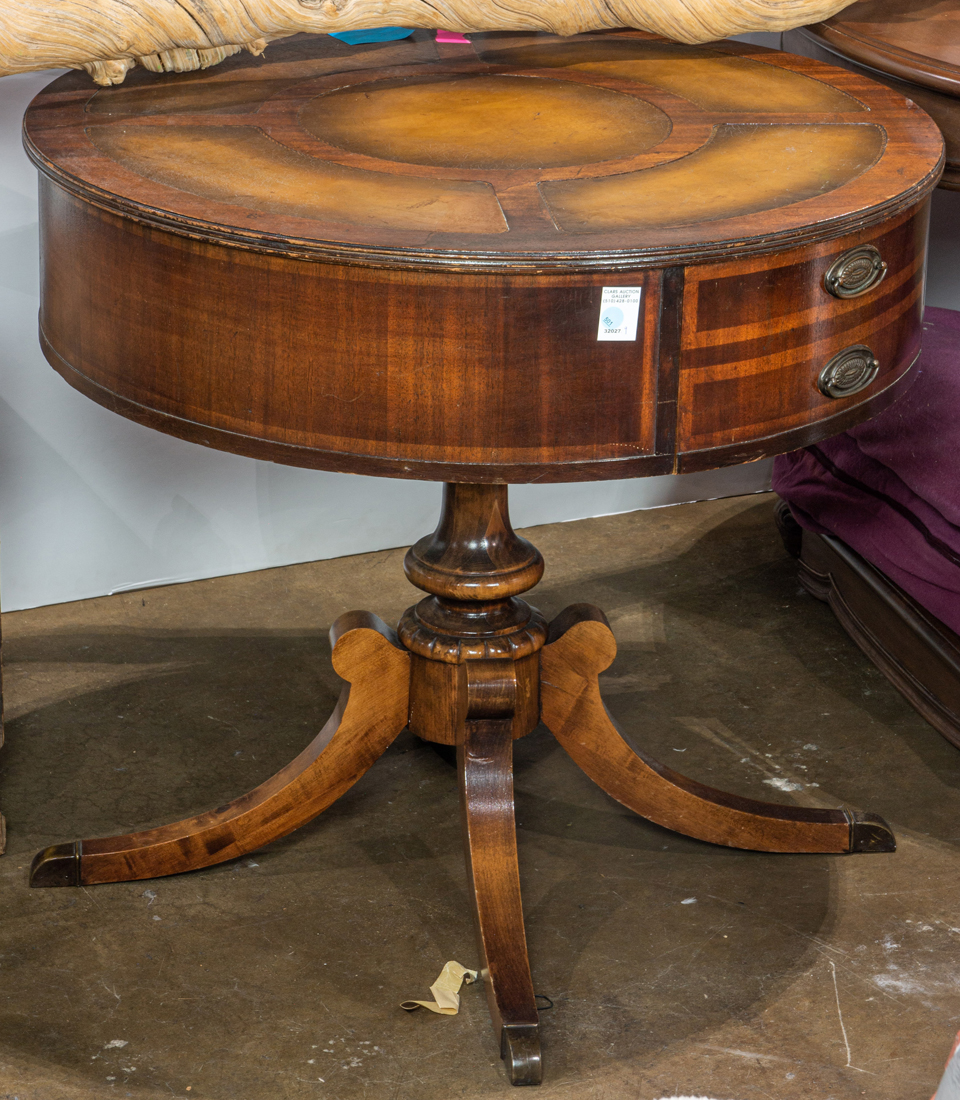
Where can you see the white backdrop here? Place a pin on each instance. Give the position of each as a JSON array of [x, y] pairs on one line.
[[91, 503]]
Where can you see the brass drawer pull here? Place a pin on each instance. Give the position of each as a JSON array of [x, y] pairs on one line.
[[849, 371], [855, 272]]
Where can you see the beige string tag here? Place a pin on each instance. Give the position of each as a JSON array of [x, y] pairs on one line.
[[445, 990]]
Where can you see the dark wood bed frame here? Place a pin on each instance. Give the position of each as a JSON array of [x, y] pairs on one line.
[[916, 652]]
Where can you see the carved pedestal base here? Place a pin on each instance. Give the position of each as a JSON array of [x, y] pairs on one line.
[[476, 667]]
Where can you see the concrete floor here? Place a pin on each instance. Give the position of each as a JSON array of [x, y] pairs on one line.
[[277, 977]]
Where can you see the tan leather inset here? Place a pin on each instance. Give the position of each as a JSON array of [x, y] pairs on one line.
[[712, 80], [741, 170], [486, 122], [267, 176]]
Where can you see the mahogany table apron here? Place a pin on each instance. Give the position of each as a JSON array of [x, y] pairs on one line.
[[519, 259]]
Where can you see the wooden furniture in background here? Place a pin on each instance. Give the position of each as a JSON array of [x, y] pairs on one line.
[[916, 652], [391, 261], [911, 45]]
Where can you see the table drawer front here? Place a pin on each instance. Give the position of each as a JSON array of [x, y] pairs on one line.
[[760, 338]]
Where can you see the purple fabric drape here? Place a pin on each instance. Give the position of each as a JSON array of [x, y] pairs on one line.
[[890, 488]]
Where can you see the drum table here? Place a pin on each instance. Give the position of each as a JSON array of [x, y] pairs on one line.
[[517, 259]]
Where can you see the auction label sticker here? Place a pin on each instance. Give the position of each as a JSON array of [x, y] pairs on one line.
[[619, 313]]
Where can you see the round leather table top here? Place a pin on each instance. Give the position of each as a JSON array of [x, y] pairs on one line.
[[608, 147], [521, 258]]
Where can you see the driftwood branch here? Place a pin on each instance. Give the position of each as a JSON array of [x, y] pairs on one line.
[[109, 37]]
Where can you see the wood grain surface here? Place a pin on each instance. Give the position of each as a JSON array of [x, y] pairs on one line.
[[485, 762], [916, 652], [581, 646], [912, 46], [391, 260], [107, 38], [916, 40], [371, 712]]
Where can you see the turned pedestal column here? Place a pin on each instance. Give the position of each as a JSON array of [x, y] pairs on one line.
[[518, 259]]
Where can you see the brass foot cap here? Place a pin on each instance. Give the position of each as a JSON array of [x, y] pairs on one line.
[[520, 1049], [58, 865], [870, 833]]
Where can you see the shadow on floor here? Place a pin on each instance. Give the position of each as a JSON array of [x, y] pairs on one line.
[[278, 975]]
